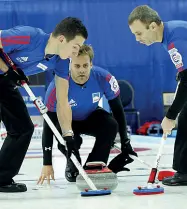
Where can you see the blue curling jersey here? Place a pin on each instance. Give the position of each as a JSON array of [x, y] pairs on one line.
[[26, 47], [84, 99], [175, 42]]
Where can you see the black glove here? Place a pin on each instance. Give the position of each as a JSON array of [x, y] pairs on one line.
[[75, 151], [127, 149], [70, 143], [62, 148], [118, 163], [16, 76]]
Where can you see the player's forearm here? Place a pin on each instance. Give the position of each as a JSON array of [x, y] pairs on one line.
[[47, 139], [47, 145], [180, 98], [63, 108], [119, 115], [64, 114]]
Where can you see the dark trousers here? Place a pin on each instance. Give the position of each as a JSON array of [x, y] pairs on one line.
[[103, 127], [99, 124], [180, 148], [19, 129]]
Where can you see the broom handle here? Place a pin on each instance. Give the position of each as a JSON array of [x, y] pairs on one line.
[[164, 137]]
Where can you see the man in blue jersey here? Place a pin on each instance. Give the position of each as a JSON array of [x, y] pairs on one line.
[[33, 51], [87, 85], [148, 28]]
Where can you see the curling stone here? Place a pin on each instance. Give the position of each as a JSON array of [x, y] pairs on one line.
[[102, 177]]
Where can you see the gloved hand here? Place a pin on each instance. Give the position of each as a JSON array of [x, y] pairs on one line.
[[118, 163], [75, 151], [17, 76], [62, 148], [127, 149], [70, 144]]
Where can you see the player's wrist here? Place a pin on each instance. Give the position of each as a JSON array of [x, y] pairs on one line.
[[68, 133], [47, 163], [47, 160], [171, 115]]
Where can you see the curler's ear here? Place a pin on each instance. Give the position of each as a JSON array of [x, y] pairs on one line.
[[61, 38]]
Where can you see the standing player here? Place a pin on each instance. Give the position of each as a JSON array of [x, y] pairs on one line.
[[148, 28], [87, 85], [33, 51]]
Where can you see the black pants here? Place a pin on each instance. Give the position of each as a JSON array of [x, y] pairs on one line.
[[180, 149], [99, 124], [19, 129]]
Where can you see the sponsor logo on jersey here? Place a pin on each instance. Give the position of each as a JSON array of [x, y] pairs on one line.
[[114, 84], [48, 148], [42, 66], [22, 59], [72, 103], [176, 57], [96, 97]]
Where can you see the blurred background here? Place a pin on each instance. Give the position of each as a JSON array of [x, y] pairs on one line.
[[149, 70]]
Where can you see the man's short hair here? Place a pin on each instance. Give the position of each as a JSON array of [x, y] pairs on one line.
[[86, 50], [70, 27], [145, 14]]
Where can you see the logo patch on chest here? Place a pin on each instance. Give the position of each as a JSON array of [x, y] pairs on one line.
[[42, 66], [95, 97], [176, 58], [22, 59], [114, 84], [72, 103]]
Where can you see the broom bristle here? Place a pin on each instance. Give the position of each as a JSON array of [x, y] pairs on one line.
[[165, 174], [148, 191]]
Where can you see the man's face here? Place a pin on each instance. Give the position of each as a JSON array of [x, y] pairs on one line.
[[144, 35], [80, 68], [71, 48]]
